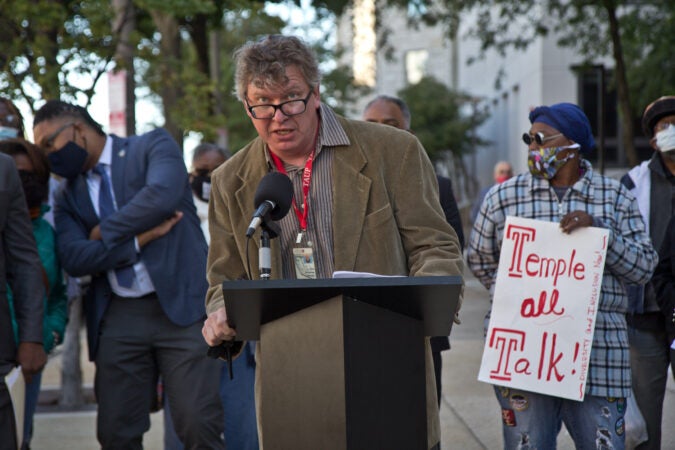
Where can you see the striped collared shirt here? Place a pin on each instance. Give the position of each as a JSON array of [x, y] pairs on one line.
[[630, 256], [320, 200]]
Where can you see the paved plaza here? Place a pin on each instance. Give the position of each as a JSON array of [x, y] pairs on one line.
[[470, 417]]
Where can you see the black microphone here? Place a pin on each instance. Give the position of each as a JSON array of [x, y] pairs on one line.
[[273, 197]]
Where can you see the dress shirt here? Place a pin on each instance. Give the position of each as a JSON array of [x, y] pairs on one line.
[[142, 283]]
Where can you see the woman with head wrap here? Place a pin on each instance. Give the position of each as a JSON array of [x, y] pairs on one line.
[[562, 187]]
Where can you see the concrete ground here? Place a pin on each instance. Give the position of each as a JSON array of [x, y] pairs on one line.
[[470, 417]]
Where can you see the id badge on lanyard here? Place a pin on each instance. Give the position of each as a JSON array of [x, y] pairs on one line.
[[303, 253], [303, 257]]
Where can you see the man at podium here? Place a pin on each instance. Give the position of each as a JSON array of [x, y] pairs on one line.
[[365, 196]]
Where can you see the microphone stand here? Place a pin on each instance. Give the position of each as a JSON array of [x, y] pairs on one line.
[[265, 255], [269, 230]]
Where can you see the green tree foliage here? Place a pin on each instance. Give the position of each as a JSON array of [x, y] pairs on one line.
[[47, 46], [648, 42], [238, 28], [635, 35], [49, 49], [337, 84], [193, 98], [443, 119], [339, 91]]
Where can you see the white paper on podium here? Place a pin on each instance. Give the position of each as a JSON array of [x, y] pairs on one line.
[[348, 274], [16, 386]]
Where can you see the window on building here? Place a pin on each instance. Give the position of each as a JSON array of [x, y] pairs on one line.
[[596, 93], [593, 99], [415, 65], [416, 9]]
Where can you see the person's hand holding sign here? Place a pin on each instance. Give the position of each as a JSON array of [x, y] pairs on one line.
[[574, 220]]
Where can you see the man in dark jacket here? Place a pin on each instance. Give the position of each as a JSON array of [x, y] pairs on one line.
[[126, 217], [653, 184], [20, 267], [664, 285]]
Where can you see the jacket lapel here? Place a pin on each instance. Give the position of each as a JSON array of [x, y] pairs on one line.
[[256, 170], [349, 207]]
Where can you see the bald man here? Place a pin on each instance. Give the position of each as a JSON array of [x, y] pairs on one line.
[[502, 172]]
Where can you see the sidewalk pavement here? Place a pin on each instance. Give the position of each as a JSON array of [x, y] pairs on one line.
[[470, 416]]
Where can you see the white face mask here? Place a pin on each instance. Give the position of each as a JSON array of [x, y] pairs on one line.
[[665, 139]]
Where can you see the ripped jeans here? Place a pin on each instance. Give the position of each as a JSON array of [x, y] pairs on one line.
[[532, 421]]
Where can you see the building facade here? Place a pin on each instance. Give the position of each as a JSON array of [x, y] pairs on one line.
[[544, 73]]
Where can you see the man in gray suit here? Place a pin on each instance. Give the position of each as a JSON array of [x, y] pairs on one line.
[[126, 217], [20, 267]]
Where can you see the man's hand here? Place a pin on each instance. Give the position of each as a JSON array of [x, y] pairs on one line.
[[160, 230], [32, 358], [95, 234], [574, 220], [216, 330], [460, 300]]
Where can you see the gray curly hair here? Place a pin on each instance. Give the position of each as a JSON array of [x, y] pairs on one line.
[[264, 63]]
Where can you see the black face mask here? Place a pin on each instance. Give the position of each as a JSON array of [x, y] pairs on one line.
[[36, 192], [69, 160], [201, 186]]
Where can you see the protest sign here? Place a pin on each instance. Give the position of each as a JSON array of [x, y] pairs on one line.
[[544, 306]]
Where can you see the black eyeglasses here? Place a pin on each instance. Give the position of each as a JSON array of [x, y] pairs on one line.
[[539, 138], [52, 137], [289, 108]]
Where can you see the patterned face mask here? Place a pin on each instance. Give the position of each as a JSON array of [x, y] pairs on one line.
[[544, 162]]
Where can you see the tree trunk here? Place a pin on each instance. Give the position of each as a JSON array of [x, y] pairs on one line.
[[51, 86], [625, 109], [215, 75], [170, 50], [71, 371], [124, 24], [199, 33]]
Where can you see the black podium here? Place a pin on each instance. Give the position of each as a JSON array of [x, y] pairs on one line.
[[342, 361]]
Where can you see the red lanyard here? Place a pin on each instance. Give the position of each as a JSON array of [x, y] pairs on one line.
[[306, 179]]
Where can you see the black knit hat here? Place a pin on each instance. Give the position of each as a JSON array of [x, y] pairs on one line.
[[655, 111]]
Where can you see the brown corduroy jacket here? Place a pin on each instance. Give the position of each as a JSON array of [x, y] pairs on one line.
[[387, 218]]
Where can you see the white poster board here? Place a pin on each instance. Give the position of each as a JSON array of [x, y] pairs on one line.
[[544, 306], [16, 386]]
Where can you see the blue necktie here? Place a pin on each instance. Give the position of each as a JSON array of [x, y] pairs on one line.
[[125, 275]]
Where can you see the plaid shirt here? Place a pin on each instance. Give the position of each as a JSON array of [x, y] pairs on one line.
[[630, 256]]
